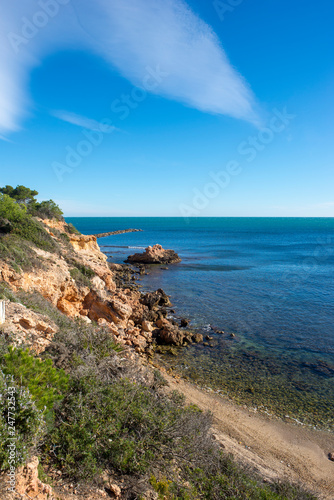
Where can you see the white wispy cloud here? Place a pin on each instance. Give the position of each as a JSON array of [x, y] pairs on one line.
[[135, 36], [80, 121], [5, 139]]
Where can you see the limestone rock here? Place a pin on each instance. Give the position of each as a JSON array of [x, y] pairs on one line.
[[171, 335], [115, 490], [28, 327], [29, 486], [155, 255], [155, 299], [147, 326]]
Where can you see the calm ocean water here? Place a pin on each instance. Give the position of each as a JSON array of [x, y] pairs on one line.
[[268, 280]]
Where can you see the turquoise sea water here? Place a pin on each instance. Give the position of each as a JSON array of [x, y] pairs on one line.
[[270, 281]]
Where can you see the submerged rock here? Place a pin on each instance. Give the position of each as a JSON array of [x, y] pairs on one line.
[[156, 299], [197, 338], [155, 255]]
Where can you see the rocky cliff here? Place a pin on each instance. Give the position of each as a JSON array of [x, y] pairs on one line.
[[80, 282]]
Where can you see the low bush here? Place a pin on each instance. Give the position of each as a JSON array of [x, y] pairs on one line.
[[19, 254], [33, 231], [46, 384], [71, 229], [22, 424], [122, 426], [7, 293], [81, 274], [79, 277]]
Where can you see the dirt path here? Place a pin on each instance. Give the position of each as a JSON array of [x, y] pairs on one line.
[[274, 448]]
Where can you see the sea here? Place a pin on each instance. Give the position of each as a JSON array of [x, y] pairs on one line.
[[267, 283]]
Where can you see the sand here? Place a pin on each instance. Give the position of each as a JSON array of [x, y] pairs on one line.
[[274, 448]]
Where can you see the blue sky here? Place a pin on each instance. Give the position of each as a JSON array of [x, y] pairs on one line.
[[167, 108]]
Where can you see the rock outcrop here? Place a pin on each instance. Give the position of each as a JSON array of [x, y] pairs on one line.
[[109, 296], [29, 486], [154, 255], [27, 327]]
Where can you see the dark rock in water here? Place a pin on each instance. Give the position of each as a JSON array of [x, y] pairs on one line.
[[208, 337], [206, 343], [155, 299], [197, 337], [232, 335], [5, 226], [184, 322], [155, 255], [171, 335], [172, 311], [220, 332], [164, 268]]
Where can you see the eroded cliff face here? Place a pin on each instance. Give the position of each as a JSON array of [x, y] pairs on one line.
[[131, 317]]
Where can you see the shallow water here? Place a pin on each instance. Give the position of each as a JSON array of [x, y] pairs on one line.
[[267, 280]]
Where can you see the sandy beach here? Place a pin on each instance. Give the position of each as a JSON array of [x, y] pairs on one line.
[[275, 449]]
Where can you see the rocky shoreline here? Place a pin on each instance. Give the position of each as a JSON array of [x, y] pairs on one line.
[[159, 330], [81, 283]]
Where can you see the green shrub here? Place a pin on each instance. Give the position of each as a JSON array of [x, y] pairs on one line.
[[19, 419], [85, 270], [71, 229], [33, 231], [80, 273], [21, 194], [47, 210], [11, 210], [7, 293], [18, 253], [79, 278], [131, 429], [15, 247], [122, 426], [25, 198], [45, 383]]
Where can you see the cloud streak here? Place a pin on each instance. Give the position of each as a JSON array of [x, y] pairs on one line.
[[132, 35], [78, 120]]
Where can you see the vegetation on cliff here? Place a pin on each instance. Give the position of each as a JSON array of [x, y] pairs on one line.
[[26, 198], [113, 416], [19, 229]]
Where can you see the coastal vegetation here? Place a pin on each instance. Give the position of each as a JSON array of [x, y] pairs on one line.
[[107, 415], [20, 227], [88, 408]]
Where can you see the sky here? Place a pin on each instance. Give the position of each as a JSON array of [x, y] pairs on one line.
[[170, 108]]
